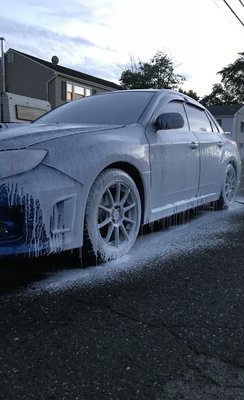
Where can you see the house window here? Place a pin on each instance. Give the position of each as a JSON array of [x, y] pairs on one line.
[[79, 92], [74, 92], [242, 127], [69, 92]]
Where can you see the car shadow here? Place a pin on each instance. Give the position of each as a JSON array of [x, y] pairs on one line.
[[17, 274]]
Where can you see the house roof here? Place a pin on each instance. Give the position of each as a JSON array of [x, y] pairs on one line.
[[71, 72], [225, 110]]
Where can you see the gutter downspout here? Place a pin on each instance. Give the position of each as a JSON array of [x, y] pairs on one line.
[[48, 83], [2, 66], [2, 78]]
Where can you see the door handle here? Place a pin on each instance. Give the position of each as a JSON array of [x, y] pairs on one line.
[[193, 145], [220, 144]]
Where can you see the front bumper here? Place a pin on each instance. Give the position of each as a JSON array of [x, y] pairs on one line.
[[41, 212]]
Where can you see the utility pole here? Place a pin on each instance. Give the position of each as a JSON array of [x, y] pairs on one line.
[[2, 87]]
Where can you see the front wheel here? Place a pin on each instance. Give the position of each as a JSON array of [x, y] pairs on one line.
[[229, 188], [112, 218]]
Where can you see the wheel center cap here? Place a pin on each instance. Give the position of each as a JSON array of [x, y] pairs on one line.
[[116, 214]]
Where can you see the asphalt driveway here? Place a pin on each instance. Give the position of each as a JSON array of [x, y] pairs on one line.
[[165, 323]]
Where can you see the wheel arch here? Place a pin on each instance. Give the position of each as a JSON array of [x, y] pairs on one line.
[[229, 187], [234, 163], [96, 249], [135, 175]]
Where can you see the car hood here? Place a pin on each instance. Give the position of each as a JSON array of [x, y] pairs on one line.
[[29, 134]]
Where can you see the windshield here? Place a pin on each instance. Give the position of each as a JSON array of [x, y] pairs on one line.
[[113, 108]]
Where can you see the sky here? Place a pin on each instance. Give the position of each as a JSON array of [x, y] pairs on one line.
[[101, 37]]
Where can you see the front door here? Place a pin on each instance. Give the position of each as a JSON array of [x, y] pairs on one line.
[[175, 164]]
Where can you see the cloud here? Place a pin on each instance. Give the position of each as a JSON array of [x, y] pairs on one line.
[[23, 32], [73, 31], [55, 10], [43, 43], [96, 36], [99, 68], [71, 51], [84, 11]]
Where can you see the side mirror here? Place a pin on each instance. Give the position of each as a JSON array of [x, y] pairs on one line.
[[169, 121]]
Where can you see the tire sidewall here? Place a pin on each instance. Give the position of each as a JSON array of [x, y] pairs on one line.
[[100, 248], [225, 201]]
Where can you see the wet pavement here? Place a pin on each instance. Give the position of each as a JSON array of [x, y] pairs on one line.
[[167, 326]]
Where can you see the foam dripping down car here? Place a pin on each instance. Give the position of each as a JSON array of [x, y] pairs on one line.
[[89, 173]]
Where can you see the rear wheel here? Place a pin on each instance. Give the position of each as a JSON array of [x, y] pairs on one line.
[[112, 218], [229, 188]]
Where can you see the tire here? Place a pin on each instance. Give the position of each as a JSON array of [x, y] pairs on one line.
[[112, 217], [229, 188]]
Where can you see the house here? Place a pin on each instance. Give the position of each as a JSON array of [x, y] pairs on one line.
[[30, 76], [231, 118]]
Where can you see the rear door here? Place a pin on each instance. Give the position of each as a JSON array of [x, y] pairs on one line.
[[211, 144]]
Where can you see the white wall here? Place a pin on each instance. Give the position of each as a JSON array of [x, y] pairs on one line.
[[227, 124]]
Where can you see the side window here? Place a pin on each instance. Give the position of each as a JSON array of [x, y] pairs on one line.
[[198, 119], [216, 126], [176, 107]]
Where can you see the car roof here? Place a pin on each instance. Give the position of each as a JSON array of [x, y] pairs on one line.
[[173, 92]]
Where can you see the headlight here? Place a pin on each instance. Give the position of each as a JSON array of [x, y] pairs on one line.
[[13, 162]]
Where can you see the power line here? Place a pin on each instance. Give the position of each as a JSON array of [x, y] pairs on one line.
[[226, 16], [216, 4], [241, 3], [233, 12]]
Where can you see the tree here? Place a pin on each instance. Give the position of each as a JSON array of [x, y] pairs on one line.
[[233, 78], [218, 96], [158, 73], [231, 88], [190, 93]]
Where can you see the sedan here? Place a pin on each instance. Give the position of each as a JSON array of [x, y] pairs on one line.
[[88, 174]]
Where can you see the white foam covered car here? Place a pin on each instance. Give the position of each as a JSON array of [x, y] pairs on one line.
[[88, 174]]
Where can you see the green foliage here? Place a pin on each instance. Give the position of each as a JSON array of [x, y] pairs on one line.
[[190, 93], [157, 74], [218, 96], [233, 79], [231, 88]]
